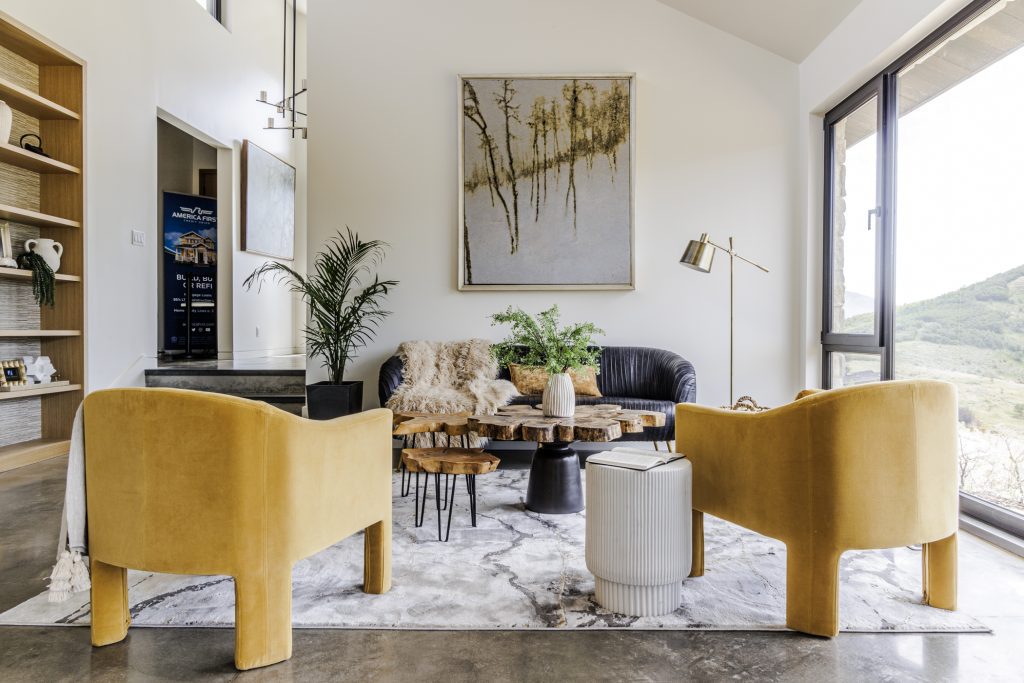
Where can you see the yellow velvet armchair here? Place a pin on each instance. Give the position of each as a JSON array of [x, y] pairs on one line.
[[871, 466], [189, 482]]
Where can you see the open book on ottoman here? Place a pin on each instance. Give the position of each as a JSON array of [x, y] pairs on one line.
[[633, 458]]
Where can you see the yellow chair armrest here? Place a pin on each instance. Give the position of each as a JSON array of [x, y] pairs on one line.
[[333, 476]]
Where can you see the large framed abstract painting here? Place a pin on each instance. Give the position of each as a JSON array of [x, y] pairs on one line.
[[546, 178], [268, 203]]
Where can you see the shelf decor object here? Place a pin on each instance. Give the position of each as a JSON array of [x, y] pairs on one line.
[[41, 202], [6, 121], [6, 250], [287, 107], [699, 255]]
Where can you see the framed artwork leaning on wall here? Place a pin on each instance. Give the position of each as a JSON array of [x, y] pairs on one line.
[[546, 181]]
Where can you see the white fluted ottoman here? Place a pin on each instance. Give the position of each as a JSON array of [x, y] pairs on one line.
[[638, 536]]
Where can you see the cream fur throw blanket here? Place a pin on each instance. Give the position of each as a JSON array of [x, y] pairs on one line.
[[450, 377]]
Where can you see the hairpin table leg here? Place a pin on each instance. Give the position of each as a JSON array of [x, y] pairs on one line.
[[451, 506], [416, 505], [423, 505], [472, 497], [437, 502]]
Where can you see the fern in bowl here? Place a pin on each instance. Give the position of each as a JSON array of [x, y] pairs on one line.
[[540, 341]]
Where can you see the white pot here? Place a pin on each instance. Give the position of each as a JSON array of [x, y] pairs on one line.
[[6, 121], [48, 249], [559, 396]]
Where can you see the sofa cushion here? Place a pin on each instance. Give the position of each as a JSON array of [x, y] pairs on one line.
[[531, 379]]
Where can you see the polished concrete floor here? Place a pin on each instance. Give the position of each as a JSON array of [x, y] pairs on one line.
[[991, 588]]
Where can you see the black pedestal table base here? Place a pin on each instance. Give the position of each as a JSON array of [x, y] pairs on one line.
[[555, 487]]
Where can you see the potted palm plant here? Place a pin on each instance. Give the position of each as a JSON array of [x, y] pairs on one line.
[[344, 314], [541, 342]]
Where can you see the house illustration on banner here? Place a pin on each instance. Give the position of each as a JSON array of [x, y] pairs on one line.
[[194, 248]]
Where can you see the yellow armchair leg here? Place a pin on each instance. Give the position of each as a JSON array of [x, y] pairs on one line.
[[263, 618], [697, 551], [938, 572], [377, 558], [110, 616], [812, 590]]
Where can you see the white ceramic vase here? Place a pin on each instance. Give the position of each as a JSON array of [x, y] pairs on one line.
[[6, 121], [559, 397], [48, 249]]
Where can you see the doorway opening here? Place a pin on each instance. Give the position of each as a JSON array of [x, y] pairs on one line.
[[187, 238]]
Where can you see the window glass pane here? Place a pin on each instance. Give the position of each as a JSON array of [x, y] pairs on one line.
[[849, 369], [854, 224], [959, 286]]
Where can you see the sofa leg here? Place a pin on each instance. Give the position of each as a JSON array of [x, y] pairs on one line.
[[110, 616], [938, 572], [377, 557], [263, 617], [697, 536], [812, 590]]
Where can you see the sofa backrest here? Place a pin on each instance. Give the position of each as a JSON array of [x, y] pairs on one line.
[[626, 371]]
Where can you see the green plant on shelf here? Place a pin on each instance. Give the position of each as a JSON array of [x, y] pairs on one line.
[[44, 282]]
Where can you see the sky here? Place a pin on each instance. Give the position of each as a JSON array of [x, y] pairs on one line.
[[960, 188]]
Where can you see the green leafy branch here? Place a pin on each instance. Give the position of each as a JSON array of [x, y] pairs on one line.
[[540, 341]]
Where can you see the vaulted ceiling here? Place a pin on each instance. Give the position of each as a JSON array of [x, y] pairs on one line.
[[789, 28]]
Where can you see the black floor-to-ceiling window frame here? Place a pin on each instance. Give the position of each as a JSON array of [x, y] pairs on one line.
[[880, 341]]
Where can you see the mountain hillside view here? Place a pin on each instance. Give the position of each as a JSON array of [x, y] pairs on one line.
[[973, 337]]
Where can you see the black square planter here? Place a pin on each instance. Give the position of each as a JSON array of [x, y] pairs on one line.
[[326, 401]]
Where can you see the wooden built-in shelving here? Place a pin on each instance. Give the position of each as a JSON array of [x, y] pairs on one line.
[[30, 161], [35, 218], [45, 84], [28, 452], [19, 334], [41, 391], [22, 274], [31, 103]]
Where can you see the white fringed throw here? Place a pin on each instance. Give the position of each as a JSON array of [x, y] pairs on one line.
[[71, 573], [450, 377]]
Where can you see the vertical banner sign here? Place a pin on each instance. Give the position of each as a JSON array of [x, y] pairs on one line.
[[190, 261]]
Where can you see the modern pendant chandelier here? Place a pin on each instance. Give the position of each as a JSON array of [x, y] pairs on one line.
[[287, 107]]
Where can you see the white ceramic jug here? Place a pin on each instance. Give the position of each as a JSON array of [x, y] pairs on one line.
[[48, 249]]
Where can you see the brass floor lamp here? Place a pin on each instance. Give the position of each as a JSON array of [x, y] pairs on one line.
[[699, 255]]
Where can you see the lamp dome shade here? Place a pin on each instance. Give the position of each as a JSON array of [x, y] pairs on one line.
[[699, 254]]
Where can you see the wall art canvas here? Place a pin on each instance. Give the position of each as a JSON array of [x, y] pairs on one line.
[[268, 203], [546, 171]]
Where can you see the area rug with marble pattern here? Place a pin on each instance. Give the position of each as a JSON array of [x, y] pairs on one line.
[[521, 570]]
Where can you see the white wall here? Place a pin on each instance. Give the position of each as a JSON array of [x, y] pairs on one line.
[[143, 56], [717, 152], [874, 35]]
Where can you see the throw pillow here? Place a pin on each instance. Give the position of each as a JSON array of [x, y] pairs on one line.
[[530, 380]]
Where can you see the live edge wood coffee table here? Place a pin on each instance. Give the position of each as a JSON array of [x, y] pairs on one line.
[[554, 486]]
